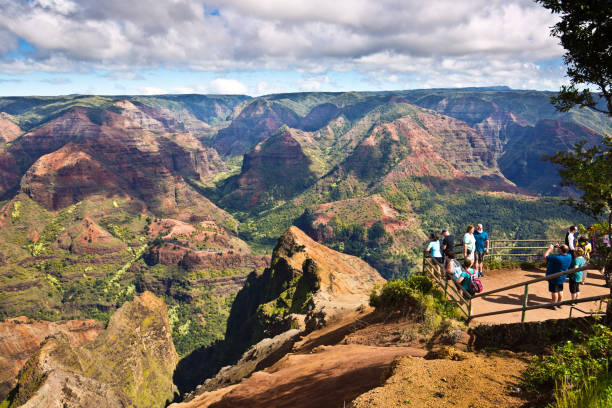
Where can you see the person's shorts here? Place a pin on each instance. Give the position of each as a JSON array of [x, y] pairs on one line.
[[470, 256], [479, 256], [574, 286], [439, 260], [555, 287]]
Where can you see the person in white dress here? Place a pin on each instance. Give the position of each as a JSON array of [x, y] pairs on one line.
[[469, 243]]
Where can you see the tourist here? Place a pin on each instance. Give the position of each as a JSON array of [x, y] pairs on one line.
[[452, 267], [577, 277], [482, 247], [570, 239], [585, 245], [469, 243], [434, 250], [448, 242], [465, 278], [559, 262]]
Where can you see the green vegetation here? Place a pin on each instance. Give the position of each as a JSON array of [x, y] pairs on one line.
[[416, 296], [576, 373], [199, 323], [419, 299]]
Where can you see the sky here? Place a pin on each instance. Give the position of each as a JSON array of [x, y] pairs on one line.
[[256, 47]]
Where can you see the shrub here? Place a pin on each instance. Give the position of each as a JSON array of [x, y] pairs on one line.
[[575, 369], [399, 295], [415, 294]]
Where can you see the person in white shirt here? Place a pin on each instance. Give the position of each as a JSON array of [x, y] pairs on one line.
[[469, 243], [570, 239]]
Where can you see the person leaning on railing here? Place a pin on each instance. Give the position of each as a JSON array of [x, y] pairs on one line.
[[556, 263], [434, 251]]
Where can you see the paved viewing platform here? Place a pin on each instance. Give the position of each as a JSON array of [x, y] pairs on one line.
[[538, 295]]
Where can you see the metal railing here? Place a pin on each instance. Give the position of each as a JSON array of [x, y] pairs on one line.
[[461, 298]]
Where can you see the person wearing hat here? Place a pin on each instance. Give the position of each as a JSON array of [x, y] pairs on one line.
[[448, 242]]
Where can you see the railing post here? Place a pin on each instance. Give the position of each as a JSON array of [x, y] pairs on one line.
[[446, 287], [469, 309], [423, 262], [525, 301]]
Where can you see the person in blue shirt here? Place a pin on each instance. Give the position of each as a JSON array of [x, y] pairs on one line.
[[559, 262], [465, 277], [482, 247], [434, 250], [577, 277]]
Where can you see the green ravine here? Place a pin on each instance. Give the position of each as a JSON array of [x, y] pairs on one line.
[[379, 171]]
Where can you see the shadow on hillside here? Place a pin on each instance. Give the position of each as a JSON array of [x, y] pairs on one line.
[[201, 364], [335, 336], [319, 389]]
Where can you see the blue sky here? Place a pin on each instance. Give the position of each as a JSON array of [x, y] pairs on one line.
[[255, 47]]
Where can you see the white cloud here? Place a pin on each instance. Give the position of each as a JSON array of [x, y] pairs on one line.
[[150, 90], [313, 84], [476, 40], [226, 86]]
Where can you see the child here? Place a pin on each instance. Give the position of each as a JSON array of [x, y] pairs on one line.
[[576, 277]]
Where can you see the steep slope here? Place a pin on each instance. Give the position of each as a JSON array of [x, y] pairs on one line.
[[307, 284], [423, 143], [304, 278], [129, 159], [257, 120], [9, 130], [277, 168], [516, 122], [67, 176], [391, 143], [21, 337], [522, 161], [129, 364]]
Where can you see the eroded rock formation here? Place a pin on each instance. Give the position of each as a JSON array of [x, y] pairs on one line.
[[129, 364]]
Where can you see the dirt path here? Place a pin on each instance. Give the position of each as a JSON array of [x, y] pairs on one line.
[[538, 294], [329, 376], [417, 382]]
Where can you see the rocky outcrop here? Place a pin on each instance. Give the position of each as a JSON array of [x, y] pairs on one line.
[[304, 278], [129, 364], [307, 285], [21, 337], [261, 355]]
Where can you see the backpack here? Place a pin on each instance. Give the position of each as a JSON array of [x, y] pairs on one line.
[[475, 282]]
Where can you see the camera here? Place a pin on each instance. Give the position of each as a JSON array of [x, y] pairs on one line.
[[556, 246]]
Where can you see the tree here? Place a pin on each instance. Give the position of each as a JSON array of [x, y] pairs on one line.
[[585, 31], [589, 170]]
